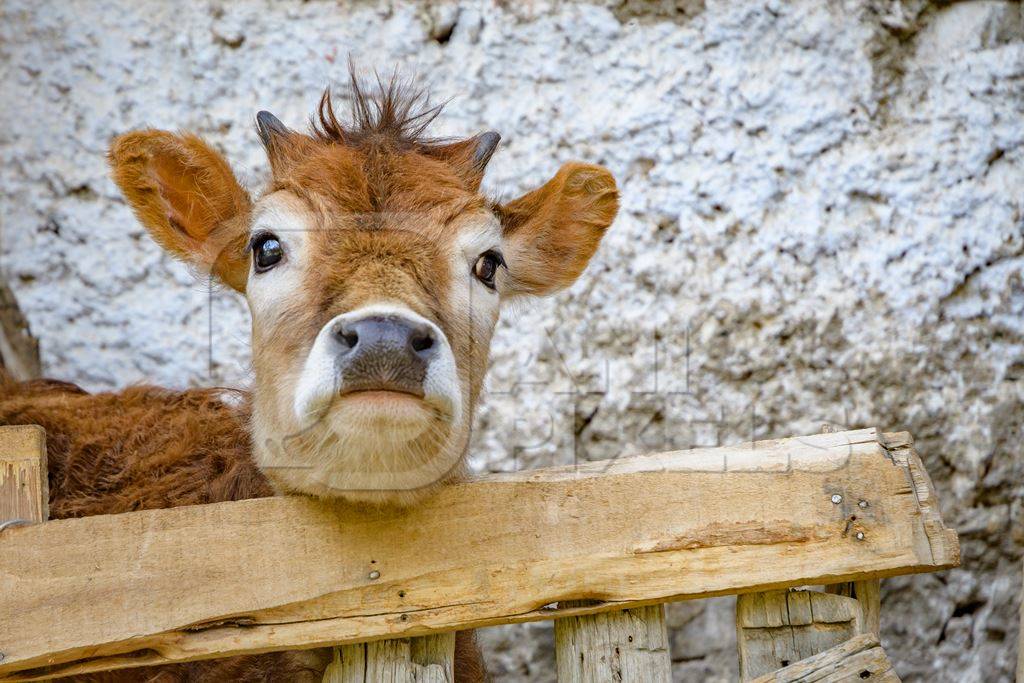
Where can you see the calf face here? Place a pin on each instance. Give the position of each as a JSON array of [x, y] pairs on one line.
[[374, 271]]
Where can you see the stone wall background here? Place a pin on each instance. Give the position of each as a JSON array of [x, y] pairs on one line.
[[821, 223]]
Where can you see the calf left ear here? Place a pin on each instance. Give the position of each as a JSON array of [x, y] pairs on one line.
[[186, 196], [551, 233]]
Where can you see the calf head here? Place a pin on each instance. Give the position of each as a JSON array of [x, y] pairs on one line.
[[374, 271]]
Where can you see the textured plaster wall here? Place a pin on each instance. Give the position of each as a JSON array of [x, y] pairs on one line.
[[821, 222]]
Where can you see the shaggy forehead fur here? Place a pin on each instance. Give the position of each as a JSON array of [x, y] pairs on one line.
[[382, 200], [382, 162]]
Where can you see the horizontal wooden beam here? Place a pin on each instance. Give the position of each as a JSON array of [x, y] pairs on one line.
[[283, 573]]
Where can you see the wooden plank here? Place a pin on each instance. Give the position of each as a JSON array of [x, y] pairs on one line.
[[796, 631], [24, 495], [856, 660], [899, 446], [282, 573], [427, 659], [778, 628], [627, 645], [868, 593]]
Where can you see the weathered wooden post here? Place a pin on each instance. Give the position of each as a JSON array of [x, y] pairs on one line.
[[631, 645], [23, 489], [24, 494], [428, 659], [780, 628], [868, 595]]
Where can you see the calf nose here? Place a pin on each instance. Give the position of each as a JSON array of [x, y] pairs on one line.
[[384, 353]]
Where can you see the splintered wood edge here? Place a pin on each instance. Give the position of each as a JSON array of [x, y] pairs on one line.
[[944, 543]]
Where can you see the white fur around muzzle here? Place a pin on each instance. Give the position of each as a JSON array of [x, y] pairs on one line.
[[321, 380]]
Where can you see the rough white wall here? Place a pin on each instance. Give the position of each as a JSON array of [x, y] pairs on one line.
[[822, 222]]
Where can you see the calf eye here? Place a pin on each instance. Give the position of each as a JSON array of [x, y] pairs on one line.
[[267, 252], [486, 267]]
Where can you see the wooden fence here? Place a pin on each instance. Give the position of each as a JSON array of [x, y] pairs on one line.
[[597, 548]]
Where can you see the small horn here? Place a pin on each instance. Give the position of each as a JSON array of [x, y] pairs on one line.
[[469, 157], [269, 126], [485, 146]]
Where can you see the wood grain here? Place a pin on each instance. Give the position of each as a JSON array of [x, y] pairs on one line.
[[868, 595], [23, 481], [283, 573], [627, 645], [427, 659], [23, 484], [778, 628], [856, 660]]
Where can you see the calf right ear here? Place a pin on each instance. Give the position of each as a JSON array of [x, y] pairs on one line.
[[551, 233], [186, 196]]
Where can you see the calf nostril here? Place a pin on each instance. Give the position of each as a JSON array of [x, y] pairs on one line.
[[421, 341], [348, 338]]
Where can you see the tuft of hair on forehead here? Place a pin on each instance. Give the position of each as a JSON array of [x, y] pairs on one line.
[[382, 156], [397, 115]]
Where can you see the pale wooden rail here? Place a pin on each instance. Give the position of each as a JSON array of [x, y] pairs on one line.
[[208, 581], [24, 498]]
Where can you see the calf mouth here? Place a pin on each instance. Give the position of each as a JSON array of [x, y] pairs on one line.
[[395, 416], [390, 387]]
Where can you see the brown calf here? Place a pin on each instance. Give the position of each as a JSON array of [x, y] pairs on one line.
[[374, 271]]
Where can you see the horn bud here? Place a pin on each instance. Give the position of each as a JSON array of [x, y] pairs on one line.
[[269, 127], [486, 145], [470, 157]]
